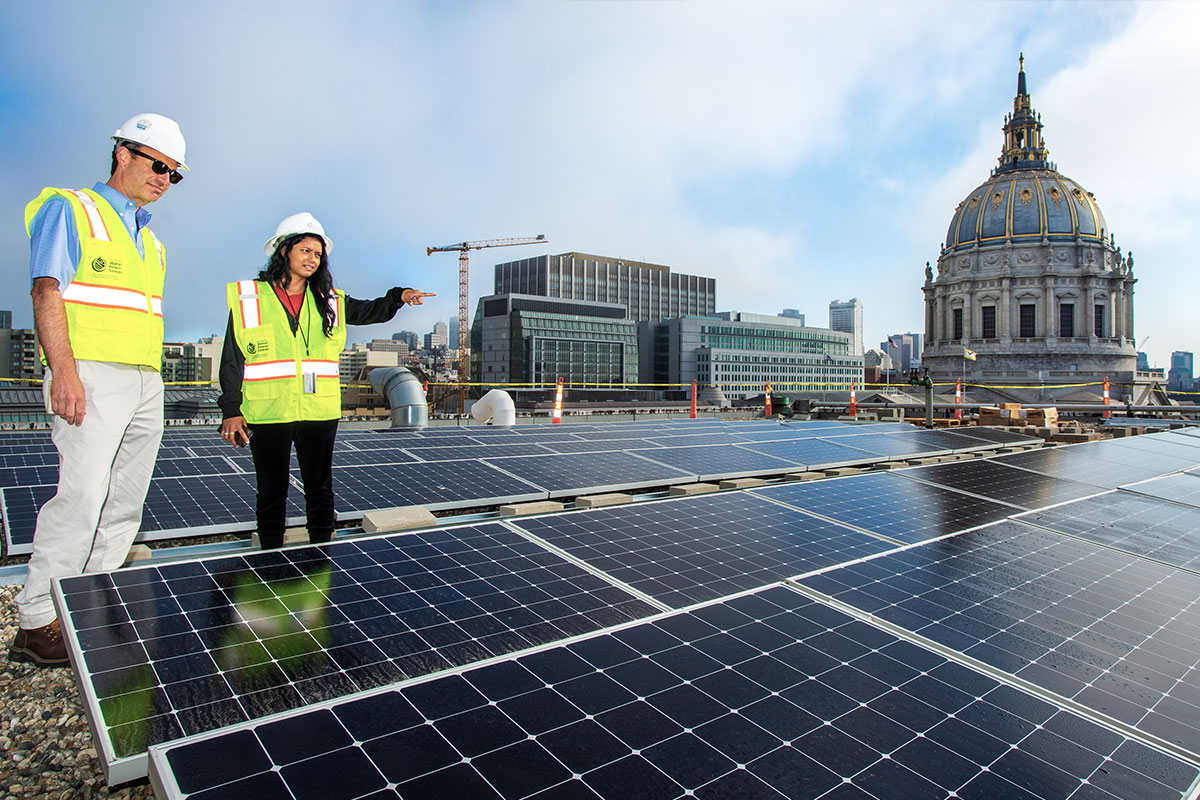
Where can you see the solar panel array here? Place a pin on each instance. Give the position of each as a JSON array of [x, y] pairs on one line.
[[200, 484], [970, 629]]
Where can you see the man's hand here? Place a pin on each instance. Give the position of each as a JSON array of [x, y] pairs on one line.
[[412, 297], [234, 431], [67, 398]]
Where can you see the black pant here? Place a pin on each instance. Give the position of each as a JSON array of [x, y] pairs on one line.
[[271, 446]]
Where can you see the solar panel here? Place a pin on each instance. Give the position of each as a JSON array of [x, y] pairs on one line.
[[39, 459], [1118, 451], [951, 440], [582, 473], [889, 505], [992, 479], [1181, 488], [195, 505], [437, 485], [29, 476], [696, 549], [997, 436], [21, 505], [597, 445], [893, 445], [1167, 452], [1140, 525], [814, 453], [765, 696], [718, 462], [205, 465], [1071, 463], [164, 652], [1107, 629]]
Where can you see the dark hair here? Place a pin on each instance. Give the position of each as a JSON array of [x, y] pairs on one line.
[[113, 169], [321, 282]]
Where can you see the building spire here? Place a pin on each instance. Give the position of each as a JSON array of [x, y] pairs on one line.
[[1023, 144]]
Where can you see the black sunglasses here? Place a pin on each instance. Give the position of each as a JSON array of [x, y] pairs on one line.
[[159, 167]]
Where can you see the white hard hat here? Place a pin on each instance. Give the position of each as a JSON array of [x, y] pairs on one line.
[[154, 130], [303, 222]]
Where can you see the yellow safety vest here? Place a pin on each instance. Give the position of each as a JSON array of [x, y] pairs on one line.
[[277, 360], [114, 301]]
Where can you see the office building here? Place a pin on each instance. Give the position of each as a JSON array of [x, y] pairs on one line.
[[647, 291], [522, 339], [739, 353], [847, 317]]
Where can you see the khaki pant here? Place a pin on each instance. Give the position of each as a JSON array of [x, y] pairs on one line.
[[104, 471]]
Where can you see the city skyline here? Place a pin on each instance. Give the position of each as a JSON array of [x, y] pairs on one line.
[[796, 153]]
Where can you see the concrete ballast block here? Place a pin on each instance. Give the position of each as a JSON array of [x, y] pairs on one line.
[[688, 489], [536, 507], [741, 483], [804, 476], [398, 519], [138, 552], [598, 500]]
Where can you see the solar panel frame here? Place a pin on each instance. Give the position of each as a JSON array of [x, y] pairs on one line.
[[1057, 611], [765, 695], [1182, 487], [719, 462], [869, 502], [436, 485], [183, 648], [990, 478], [1133, 523], [613, 471], [691, 550]]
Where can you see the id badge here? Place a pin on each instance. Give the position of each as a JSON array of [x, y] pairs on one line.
[[310, 383]]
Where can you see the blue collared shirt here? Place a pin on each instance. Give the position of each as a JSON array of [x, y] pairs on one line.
[[54, 247]]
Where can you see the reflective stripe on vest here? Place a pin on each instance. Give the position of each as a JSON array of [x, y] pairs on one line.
[[248, 297], [98, 229], [107, 297], [272, 370]]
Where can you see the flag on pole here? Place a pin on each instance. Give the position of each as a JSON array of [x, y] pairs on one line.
[[892, 342], [968, 354], [828, 357]]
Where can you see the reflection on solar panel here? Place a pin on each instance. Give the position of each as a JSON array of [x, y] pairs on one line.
[[179, 649], [998, 436], [993, 480], [715, 462], [812, 453], [435, 485], [1077, 464], [889, 505], [892, 445], [1112, 631], [1140, 525], [581, 473], [769, 695], [691, 550], [1181, 488]]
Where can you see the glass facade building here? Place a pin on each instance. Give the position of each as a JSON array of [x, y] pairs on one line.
[[524, 339], [649, 292]]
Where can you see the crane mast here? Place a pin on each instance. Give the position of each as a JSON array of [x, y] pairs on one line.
[[464, 274]]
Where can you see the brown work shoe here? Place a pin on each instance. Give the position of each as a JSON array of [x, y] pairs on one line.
[[43, 646]]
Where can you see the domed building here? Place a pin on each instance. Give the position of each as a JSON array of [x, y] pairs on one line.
[[1029, 279]]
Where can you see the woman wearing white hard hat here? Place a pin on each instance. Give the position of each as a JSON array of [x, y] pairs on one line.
[[279, 371]]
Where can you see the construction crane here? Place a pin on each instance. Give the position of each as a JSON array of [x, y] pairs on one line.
[[464, 273]]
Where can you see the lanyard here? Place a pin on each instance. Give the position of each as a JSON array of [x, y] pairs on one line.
[[286, 300]]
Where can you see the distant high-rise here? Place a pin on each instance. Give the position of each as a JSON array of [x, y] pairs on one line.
[[649, 291], [439, 337], [792, 313], [904, 350], [409, 338], [1180, 375], [847, 317], [5, 320]]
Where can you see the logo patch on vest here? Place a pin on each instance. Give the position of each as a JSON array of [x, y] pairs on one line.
[[99, 264], [259, 347]]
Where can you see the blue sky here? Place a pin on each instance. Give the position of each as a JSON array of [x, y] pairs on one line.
[[797, 152]]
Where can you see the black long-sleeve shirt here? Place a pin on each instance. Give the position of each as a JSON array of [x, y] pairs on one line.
[[233, 361]]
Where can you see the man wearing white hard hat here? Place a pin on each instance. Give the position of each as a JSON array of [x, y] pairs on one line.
[[279, 371], [97, 278]]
